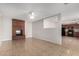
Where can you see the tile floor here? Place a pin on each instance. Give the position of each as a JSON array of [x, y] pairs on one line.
[[36, 47]]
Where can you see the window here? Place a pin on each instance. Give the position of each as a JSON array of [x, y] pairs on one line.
[[50, 22]]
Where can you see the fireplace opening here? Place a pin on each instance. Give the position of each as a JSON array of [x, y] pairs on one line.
[[18, 32]]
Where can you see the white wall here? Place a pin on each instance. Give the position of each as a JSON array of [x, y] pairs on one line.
[[1, 28], [52, 34], [28, 29], [7, 28]]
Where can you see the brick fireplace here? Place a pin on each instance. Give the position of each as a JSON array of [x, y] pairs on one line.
[[18, 29]]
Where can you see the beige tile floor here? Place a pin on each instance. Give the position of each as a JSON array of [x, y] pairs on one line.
[[72, 43], [36, 47]]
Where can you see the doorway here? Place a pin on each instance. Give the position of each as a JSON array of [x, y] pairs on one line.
[[68, 30], [71, 37]]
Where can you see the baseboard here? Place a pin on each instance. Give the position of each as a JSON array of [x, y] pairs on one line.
[[5, 40], [46, 41]]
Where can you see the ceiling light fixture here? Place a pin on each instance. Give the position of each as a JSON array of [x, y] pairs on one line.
[[32, 15]]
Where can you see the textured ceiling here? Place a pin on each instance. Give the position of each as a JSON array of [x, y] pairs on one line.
[[41, 10], [21, 10]]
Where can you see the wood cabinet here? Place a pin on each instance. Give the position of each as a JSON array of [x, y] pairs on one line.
[[75, 28]]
